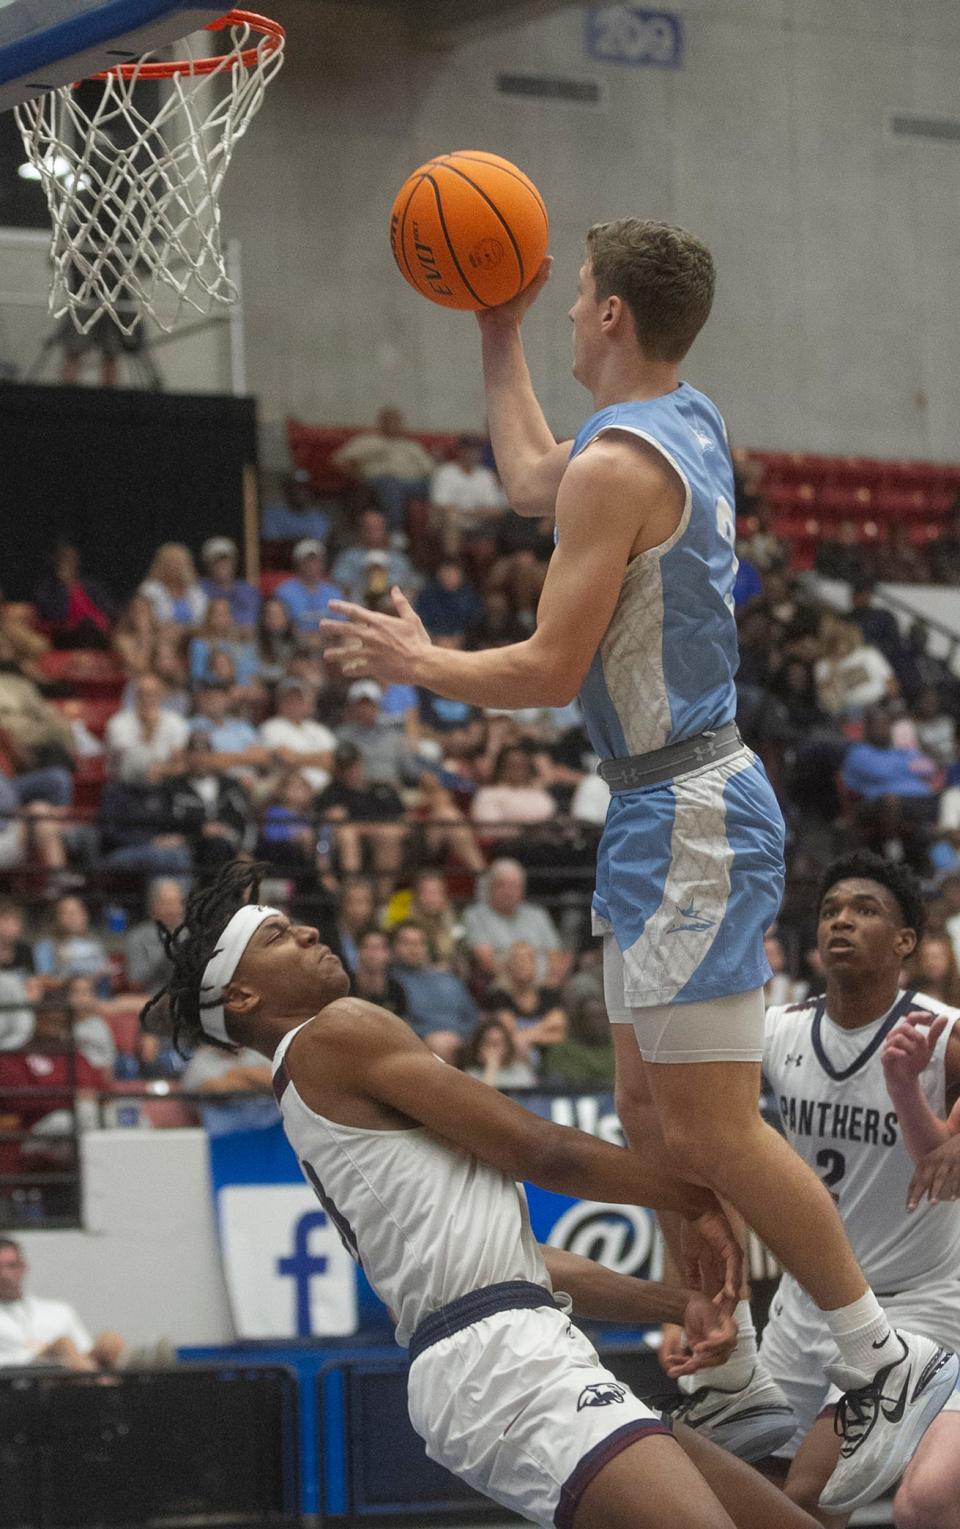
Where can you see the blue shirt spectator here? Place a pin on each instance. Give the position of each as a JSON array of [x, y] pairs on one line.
[[874, 768], [298, 516], [243, 656], [372, 566], [449, 605], [437, 1001], [748, 583], [396, 702], [224, 732], [220, 559], [308, 594]]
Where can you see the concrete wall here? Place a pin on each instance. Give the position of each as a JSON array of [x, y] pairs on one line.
[[146, 1262], [836, 326]]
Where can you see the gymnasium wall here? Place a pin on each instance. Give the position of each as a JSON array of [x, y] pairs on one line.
[[146, 1263], [836, 326]]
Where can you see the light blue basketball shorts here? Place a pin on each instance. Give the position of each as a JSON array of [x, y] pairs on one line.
[[689, 877]]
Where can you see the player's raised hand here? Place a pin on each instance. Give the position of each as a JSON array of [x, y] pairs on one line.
[[937, 1175], [508, 315], [707, 1338], [372, 645], [908, 1048]]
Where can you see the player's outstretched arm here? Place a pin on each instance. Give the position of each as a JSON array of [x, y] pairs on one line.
[[601, 1295], [362, 1052], [606, 497], [529, 460]]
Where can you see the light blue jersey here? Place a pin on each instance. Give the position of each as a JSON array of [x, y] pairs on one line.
[[689, 872], [665, 668]]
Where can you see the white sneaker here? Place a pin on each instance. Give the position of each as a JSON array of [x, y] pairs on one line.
[[751, 1422], [882, 1422]]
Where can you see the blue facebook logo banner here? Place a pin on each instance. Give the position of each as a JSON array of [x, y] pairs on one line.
[[302, 1266]]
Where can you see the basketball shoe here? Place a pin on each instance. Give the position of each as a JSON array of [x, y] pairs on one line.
[[751, 1422], [881, 1421]]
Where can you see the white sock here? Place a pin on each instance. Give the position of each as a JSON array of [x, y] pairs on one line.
[[735, 1372], [864, 1335]]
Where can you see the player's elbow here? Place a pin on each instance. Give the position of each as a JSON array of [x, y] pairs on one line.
[[561, 674], [560, 692], [552, 1157]]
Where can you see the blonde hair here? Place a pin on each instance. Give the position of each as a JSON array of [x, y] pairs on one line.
[[173, 566], [839, 638]]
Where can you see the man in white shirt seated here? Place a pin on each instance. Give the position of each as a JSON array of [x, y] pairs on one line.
[[393, 466], [295, 738], [145, 741], [39, 1332], [468, 501]]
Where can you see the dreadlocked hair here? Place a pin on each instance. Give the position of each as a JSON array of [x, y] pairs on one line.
[[899, 880], [177, 1009]]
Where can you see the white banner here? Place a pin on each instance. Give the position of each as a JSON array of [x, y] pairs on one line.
[[287, 1272]]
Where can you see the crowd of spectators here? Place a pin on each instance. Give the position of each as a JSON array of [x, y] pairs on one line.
[[446, 852]]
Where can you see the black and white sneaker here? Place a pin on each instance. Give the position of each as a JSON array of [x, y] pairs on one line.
[[752, 1422], [882, 1422]]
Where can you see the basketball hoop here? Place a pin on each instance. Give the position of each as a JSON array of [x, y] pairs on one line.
[[134, 193]]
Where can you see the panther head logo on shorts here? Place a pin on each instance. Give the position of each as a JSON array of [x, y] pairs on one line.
[[602, 1393]]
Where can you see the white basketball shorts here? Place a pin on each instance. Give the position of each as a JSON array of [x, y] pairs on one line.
[[519, 1405]]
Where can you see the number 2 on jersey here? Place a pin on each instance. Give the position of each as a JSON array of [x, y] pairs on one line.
[[834, 1166]]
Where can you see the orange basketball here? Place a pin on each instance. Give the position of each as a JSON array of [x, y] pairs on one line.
[[468, 230]]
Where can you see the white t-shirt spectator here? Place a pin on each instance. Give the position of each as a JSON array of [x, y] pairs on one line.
[[466, 492], [16, 1023], [949, 816], [502, 805], [131, 754], [30, 1324], [307, 737], [372, 455], [188, 610], [853, 683]]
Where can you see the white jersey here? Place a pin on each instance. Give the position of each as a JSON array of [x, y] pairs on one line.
[[426, 1222], [837, 1114]]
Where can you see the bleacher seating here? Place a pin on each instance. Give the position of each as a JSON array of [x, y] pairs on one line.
[[811, 495]]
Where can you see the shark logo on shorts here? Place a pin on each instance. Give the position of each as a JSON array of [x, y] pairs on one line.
[[603, 1393], [689, 921]]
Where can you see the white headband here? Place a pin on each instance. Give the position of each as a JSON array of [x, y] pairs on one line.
[[223, 963]]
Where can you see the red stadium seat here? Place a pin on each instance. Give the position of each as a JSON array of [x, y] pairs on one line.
[[170, 1113], [125, 1028]]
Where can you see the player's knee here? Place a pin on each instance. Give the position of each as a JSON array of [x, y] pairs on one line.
[[924, 1502], [635, 1110], [695, 1150]]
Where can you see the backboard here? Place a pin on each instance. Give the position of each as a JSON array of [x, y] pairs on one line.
[[45, 43]]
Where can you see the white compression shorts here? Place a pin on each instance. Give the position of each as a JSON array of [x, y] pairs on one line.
[[716, 1030]]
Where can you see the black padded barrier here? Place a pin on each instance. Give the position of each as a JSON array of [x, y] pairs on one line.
[[178, 1447]]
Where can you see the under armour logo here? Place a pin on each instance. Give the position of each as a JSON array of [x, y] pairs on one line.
[[690, 920], [604, 1393], [796, 1060]]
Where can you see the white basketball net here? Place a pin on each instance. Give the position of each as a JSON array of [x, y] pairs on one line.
[[134, 197]]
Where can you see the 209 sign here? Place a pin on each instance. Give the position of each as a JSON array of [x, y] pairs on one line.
[[625, 34]]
